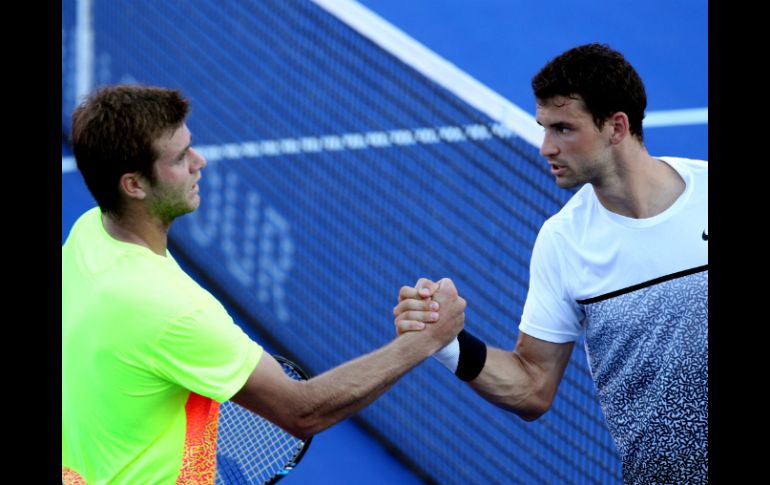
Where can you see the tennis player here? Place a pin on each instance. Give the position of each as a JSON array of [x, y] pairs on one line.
[[623, 264], [147, 354]]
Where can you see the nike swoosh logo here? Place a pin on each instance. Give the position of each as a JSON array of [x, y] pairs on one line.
[[705, 235]]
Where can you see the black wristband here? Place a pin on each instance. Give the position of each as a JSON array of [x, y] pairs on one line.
[[473, 356]]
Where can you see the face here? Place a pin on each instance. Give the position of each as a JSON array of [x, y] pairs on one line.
[[577, 151], [177, 171]]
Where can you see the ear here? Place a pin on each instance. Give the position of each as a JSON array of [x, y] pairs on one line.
[[133, 185], [618, 123]]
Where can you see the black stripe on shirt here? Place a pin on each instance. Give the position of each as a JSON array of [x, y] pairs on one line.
[[639, 286]]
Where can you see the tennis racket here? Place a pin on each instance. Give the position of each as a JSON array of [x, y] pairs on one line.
[[251, 449]]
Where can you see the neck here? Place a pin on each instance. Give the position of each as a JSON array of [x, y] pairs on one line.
[[641, 186], [138, 228]]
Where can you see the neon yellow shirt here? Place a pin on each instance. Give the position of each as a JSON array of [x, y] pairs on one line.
[[147, 355]]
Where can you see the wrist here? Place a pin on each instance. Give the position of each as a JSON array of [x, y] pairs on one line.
[[449, 355], [473, 356], [465, 356]]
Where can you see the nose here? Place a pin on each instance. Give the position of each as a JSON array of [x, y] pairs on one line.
[[548, 149], [198, 161]]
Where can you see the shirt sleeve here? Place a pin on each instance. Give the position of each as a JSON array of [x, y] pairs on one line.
[[549, 313], [206, 352]]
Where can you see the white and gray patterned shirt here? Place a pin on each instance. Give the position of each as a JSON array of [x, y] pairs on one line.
[[637, 289]]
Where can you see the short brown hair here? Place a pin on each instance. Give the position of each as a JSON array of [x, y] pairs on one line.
[[113, 132]]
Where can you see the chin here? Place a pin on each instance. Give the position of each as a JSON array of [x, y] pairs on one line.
[[192, 208], [565, 184]]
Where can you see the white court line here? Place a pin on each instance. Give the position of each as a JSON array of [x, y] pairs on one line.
[[462, 85], [678, 117], [85, 49], [434, 67], [68, 164]]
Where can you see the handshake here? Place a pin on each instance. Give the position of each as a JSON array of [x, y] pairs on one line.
[[419, 306], [438, 310]]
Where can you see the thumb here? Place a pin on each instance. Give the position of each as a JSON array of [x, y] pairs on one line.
[[446, 290], [426, 287]]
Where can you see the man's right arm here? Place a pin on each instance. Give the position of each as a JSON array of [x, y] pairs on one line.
[[523, 381], [304, 408]]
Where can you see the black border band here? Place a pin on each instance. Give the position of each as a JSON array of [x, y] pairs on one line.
[[655, 281], [473, 356]]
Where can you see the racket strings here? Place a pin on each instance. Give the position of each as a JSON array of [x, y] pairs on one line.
[[251, 449]]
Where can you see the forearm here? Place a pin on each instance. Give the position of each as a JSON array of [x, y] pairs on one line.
[[508, 382], [304, 408], [341, 392]]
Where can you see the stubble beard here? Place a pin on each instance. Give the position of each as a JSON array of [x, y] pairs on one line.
[[168, 207]]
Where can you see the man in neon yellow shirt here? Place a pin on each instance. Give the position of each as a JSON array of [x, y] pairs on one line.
[[147, 354]]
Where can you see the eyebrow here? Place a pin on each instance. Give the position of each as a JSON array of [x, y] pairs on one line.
[[558, 124]]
